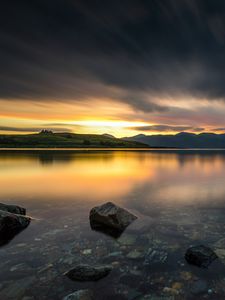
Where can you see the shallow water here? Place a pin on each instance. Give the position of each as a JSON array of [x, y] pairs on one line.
[[178, 196]]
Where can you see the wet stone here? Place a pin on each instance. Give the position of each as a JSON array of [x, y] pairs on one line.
[[87, 251], [88, 273], [220, 244], [115, 254], [10, 225], [155, 297], [127, 239], [135, 255], [219, 247], [200, 256], [18, 271], [110, 218], [169, 290], [20, 267], [80, 295], [115, 263], [221, 254], [155, 256], [13, 209], [45, 268]]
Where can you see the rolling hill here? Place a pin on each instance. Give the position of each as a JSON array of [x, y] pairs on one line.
[[47, 139]]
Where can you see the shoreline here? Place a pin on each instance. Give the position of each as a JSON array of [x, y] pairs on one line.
[[112, 149]]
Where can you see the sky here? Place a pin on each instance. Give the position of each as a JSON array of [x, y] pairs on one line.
[[119, 67]]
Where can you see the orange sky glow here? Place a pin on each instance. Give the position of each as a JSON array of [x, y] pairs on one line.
[[107, 116]]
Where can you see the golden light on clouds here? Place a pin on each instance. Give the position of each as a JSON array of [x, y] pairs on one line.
[[108, 123], [99, 116]]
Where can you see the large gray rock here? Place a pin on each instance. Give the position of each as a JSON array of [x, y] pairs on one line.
[[80, 295], [111, 216], [88, 273], [200, 256], [10, 225], [13, 209]]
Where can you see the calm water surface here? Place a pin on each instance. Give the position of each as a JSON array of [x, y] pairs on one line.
[[178, 196]]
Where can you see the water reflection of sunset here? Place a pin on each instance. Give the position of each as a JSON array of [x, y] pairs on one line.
[[162, 176], [98, 175]]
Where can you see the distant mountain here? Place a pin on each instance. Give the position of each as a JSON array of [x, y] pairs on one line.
[[48, 139], [109, 135], [181, 140]]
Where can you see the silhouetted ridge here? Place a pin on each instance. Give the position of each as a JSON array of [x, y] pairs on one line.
[[181, 140]]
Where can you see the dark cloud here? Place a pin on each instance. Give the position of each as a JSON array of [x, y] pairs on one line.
[[131, 50], [219, 129], [167, 128], [32, 129]]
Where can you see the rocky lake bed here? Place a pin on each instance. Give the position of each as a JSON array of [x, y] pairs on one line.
[[64, 258]]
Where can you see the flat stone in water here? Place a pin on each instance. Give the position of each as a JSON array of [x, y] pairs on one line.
[[200, 256], [88, 273]]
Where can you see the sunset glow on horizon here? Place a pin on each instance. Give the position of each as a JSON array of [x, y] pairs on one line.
[[119, 120]]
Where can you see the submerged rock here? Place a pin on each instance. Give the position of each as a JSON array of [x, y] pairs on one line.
[[88, 273], [10, 225], [135, 254], [220, 244], [155, 256], [131, 280], [127, 239], [110, 218], [13, 209], [155, 297], [200, 256], [16, 289], [199, 287], [80, 295]]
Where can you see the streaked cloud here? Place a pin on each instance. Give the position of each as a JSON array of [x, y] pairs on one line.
[[158, 62], [168, 128], [32, 129]]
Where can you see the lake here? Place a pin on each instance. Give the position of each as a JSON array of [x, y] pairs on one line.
[[178, 196]]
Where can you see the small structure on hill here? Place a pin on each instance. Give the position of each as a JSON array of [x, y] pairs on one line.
[[46, 131]]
